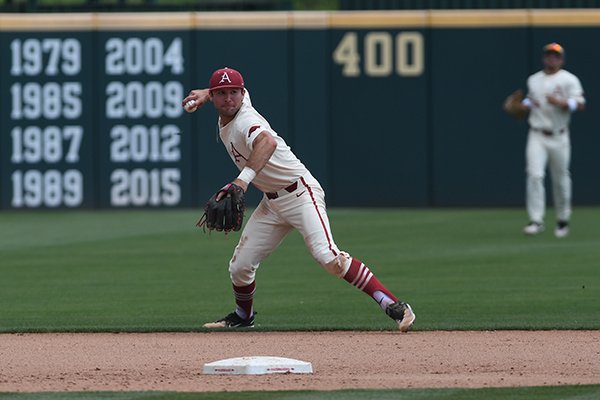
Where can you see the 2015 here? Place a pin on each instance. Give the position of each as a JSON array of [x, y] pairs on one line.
[[140, 187]]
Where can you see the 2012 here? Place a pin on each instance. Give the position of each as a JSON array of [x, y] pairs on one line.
[[141, 143]]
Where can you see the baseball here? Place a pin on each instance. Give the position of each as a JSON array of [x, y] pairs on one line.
[[190, 106]]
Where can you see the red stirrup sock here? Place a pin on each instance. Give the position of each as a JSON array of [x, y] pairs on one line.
[[244, 296], [360, 275]]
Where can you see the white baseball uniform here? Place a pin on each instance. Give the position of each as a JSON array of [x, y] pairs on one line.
[[293, 199], [548, 142]]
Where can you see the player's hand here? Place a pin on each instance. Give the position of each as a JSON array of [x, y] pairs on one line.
[[556, 101], [195, 99]]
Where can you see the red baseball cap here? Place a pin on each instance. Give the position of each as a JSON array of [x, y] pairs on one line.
[[226, 78]]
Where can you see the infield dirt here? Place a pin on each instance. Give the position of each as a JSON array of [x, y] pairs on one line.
[[341, 360]]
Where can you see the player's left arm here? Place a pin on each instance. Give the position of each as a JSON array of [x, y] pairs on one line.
[[263, 147], [575, 101]]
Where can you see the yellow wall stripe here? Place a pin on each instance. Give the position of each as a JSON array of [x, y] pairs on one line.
[[52, 22], [301, 20]]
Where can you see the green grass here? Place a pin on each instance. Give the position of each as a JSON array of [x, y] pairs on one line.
[[155, 271], [583, 392]]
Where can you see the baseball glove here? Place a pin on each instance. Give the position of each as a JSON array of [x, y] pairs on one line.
[[224, 211], [513, 105]]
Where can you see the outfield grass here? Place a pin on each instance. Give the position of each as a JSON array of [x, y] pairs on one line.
[[155, 271], [142, 271]]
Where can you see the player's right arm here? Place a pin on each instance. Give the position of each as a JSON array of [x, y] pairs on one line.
[[199, 96]]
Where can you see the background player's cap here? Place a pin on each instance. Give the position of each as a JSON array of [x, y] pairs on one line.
[[554, 48], [226, 78]]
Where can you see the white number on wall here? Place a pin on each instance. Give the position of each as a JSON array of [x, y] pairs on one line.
[[50, 188], [51, 100], [138, 99], [48, 56], [379, 49], [134, 56], [51, 144], [140, 143], [140, 187]]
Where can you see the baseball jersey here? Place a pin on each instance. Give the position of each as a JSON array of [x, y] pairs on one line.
[[282, 169], [562, 84]]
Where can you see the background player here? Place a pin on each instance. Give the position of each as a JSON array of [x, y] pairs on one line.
[[293, 199], [553, 94]]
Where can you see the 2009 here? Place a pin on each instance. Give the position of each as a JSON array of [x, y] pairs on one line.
[[140, 187], [137, 99]]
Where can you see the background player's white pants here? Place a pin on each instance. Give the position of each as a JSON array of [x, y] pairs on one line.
[[554, 151], [304, 210]]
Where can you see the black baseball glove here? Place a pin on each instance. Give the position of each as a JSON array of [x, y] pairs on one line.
[[513, 106], [226, 213]]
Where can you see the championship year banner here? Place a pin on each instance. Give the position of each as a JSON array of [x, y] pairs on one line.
[[144, 143], [401, 102], [46, 145]]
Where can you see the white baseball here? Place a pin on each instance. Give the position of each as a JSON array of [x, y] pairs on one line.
[[190, 106]]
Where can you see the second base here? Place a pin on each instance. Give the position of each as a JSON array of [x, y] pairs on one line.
[[258, 365]]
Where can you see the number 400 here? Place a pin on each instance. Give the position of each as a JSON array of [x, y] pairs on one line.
[[378, 52]]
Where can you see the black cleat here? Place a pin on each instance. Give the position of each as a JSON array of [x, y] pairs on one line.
[[402, 313], [231, 321]]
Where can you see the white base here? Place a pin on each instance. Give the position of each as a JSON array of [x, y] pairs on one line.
[[257, 366]]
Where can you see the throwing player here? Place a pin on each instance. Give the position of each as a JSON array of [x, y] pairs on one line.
[[293, 199], [553, 94]]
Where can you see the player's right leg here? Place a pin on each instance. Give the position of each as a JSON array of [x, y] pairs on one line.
[[536, 158], [262, 234], [308, 214]]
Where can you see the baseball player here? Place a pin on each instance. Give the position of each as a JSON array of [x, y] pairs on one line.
[[553, 94], [293, 199]]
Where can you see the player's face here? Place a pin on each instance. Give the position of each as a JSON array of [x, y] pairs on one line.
[[227, 101], [553, 61]]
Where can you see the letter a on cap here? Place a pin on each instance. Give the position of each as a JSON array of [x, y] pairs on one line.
[[225, 78]]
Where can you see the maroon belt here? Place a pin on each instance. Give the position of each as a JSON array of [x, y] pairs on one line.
[[549, 133], [281, 192]]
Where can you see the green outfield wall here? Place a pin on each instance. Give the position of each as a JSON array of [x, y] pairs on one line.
[[394, 108]]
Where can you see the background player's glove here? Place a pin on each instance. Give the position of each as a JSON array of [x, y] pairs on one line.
[[224, 211], [513, 105]]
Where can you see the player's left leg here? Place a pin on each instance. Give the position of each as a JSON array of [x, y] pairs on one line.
[[262, 234], [558, 161]]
